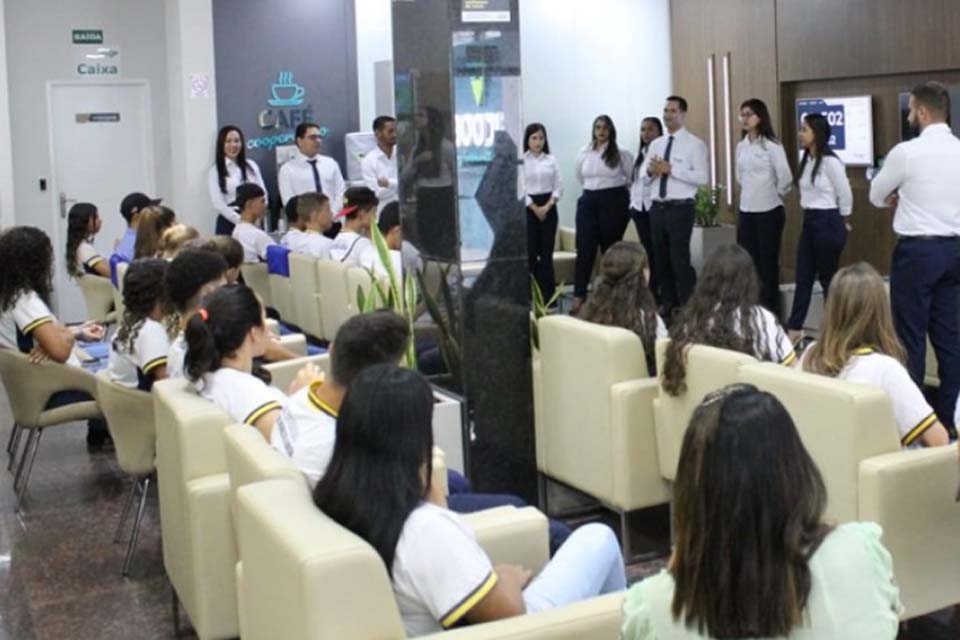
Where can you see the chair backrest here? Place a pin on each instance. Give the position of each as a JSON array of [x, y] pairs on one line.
[[841, 424], [97, 295], [579, 364], [121, 271], [278, 279], [284, 372], [250, 458], [305, 291], [305, 576], [707, 369], [29, 386], [129, 415], [336, 306], [255, 276]]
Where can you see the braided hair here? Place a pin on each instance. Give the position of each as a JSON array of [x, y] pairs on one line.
[[143, 288]]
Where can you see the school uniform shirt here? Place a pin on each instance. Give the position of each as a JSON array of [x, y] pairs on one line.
[[176, 355], [254, 240], [377, 164], [771, 341], [594, 174], [688, 166], [540, 175], [924, 173], [296, 177], [131, 368], [242, 396], [762, 173], [306, 431], [234, 178], [830, 190], [440, 572], [371, 260], [88, 257], [126, 244], [310, 243], [17, 324], [410, 258], [350, 248]]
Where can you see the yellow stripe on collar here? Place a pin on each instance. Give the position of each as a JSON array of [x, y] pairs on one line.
[[317, 403]]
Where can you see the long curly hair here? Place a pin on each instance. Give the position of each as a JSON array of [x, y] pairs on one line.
[[143, 288], [78, 229], [721, 313], [622, 297], [27, 256]]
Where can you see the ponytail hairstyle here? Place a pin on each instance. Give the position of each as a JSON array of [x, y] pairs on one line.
[[154, 220], [821, 143], [78, 230], [220, 328], [143, 289], [177, 238]]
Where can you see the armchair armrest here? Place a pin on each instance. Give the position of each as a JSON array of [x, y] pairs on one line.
[[637, 482], [296, 342], [285, 371], [512, 536], [568, 239]]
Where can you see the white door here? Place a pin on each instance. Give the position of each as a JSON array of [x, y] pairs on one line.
[[101, 149]]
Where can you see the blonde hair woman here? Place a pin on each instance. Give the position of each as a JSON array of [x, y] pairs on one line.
[[176, 238]]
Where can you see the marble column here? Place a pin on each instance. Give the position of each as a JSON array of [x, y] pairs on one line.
[[457, 91]]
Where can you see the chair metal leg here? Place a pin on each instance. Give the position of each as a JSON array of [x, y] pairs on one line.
[[542, 490], [175, 601], [22, 463], [135, 534], [13, 445], [13, 433], [126, 511], [26, 477]]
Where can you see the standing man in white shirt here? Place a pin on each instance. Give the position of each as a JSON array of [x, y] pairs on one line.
[[379, 167], [920, 178], [310, 171], [675, 166]]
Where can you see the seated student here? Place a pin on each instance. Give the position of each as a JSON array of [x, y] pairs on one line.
[[724, 311], [26, 322], [622, 297], [378, 486], [177, 238], [312, 217], [858, 343], [294, 227], [389, 227], [190, 277], [231, 251], [138, 352], [753, 556], [154, 221], [251, 203], [130, 208], [353, 242], [83, 223]]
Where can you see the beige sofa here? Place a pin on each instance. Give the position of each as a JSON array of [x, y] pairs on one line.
[[306, 294]]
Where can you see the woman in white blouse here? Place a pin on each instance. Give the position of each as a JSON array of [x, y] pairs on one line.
[[231, 169], [603, 210], [641, 199], [541, 189], [764, 177], [826, 200]]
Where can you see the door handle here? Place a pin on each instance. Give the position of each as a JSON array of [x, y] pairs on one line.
[[727, 143], [712, 118], [64, 201]]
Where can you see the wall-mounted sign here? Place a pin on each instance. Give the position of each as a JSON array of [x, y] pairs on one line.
[[851, 126], [97, 61], [87, 36], [485, 11], [83, 118]]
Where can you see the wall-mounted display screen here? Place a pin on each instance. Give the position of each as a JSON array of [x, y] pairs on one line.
[[851, 126], [907, 132]]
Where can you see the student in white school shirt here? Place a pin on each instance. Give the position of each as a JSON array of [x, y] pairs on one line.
[[378, 486], [352, 245], [309, 171], [252, 204], [858, 343], [83, 223], [724, 312], [139, 350], [379, 165], [231, 169], [309, 217]]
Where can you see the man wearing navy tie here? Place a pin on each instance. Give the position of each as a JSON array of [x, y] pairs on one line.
[[920, 179], [309, 171]]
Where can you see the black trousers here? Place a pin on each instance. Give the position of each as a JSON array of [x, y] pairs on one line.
[[924, 287], [671, 225], [641, 220], [760, 234], [541, 239], [224, 226], [436, 223], [818, 256], [602, 218]]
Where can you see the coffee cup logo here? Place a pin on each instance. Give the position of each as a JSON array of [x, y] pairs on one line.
[[286, 92]]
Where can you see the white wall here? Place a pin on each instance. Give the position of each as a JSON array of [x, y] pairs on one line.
[[6, 156], [374, 43]]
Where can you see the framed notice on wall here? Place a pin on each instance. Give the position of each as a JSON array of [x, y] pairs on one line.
[[485, 11], [851, 126]]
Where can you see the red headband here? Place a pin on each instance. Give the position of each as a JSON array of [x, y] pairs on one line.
[[346, 211], [203, 314]]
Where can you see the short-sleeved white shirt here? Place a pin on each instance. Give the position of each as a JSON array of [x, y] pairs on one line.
[[150, 350], [291, 238], [439, 571], [254, 241], [773, 340], [176, 355], [244, 397], [88, 256], [350, 248], [306, 432], [310, 243], [25, 315]]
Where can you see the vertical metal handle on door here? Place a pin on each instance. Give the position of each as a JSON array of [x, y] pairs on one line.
[[64, 201], [727, 142], [712, 111]]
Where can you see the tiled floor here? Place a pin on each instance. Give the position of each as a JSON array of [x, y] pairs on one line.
[[60, 570]]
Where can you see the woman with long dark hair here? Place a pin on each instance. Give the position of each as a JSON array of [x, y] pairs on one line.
[[378, 486], [826, 199], [138, 352], [542, 188], [764, 177], [231, 169], [641, 198], [83, 223], [603, 210], [753, 555]]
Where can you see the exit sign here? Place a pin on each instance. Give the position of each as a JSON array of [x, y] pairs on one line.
[[88, 36]]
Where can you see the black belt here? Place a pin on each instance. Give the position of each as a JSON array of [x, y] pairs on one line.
[[934, 238], [673, 203]]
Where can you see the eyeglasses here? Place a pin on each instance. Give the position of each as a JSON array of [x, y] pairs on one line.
[[315, 137]]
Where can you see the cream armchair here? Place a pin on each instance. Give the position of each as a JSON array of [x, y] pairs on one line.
[[256, 277], [306, 294], [281, 293], [98, 297], [336, 307], [565, 255], [306, 577], [597, 429], [284, 372]]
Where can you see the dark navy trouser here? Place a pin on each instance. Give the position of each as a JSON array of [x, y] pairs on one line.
[[821, 242]]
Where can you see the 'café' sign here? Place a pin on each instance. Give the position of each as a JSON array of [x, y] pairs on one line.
[[286, 110]]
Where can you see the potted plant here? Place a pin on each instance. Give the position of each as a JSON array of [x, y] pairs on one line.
[[708, 232]]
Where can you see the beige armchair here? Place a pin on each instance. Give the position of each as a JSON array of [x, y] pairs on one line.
[[565, 255], [98, 296], [29, 387], [337, 306], [306, 577], [118, 307], [129, 414], [283, 373], [306, 294], [281, 293], [256, 277], [597, 432]]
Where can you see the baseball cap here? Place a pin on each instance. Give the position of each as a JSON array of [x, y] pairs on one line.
[[247, 191], [135, 202]]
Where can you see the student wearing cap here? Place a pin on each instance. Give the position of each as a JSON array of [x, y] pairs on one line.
[[130, 208], [252, 204], [379, 165], [310, 171], [309, 218], [353, 242]]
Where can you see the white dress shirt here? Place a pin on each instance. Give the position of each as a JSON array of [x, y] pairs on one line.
[[253, 240], [540, 175], [296, 177], [925, 172], [762, 173], [640, 193], [375, 165], [688, 166], [594, 174], [221, 201], [831, 190]]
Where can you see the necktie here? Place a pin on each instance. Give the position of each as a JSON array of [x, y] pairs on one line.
[[316, 174], [663, 179]]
